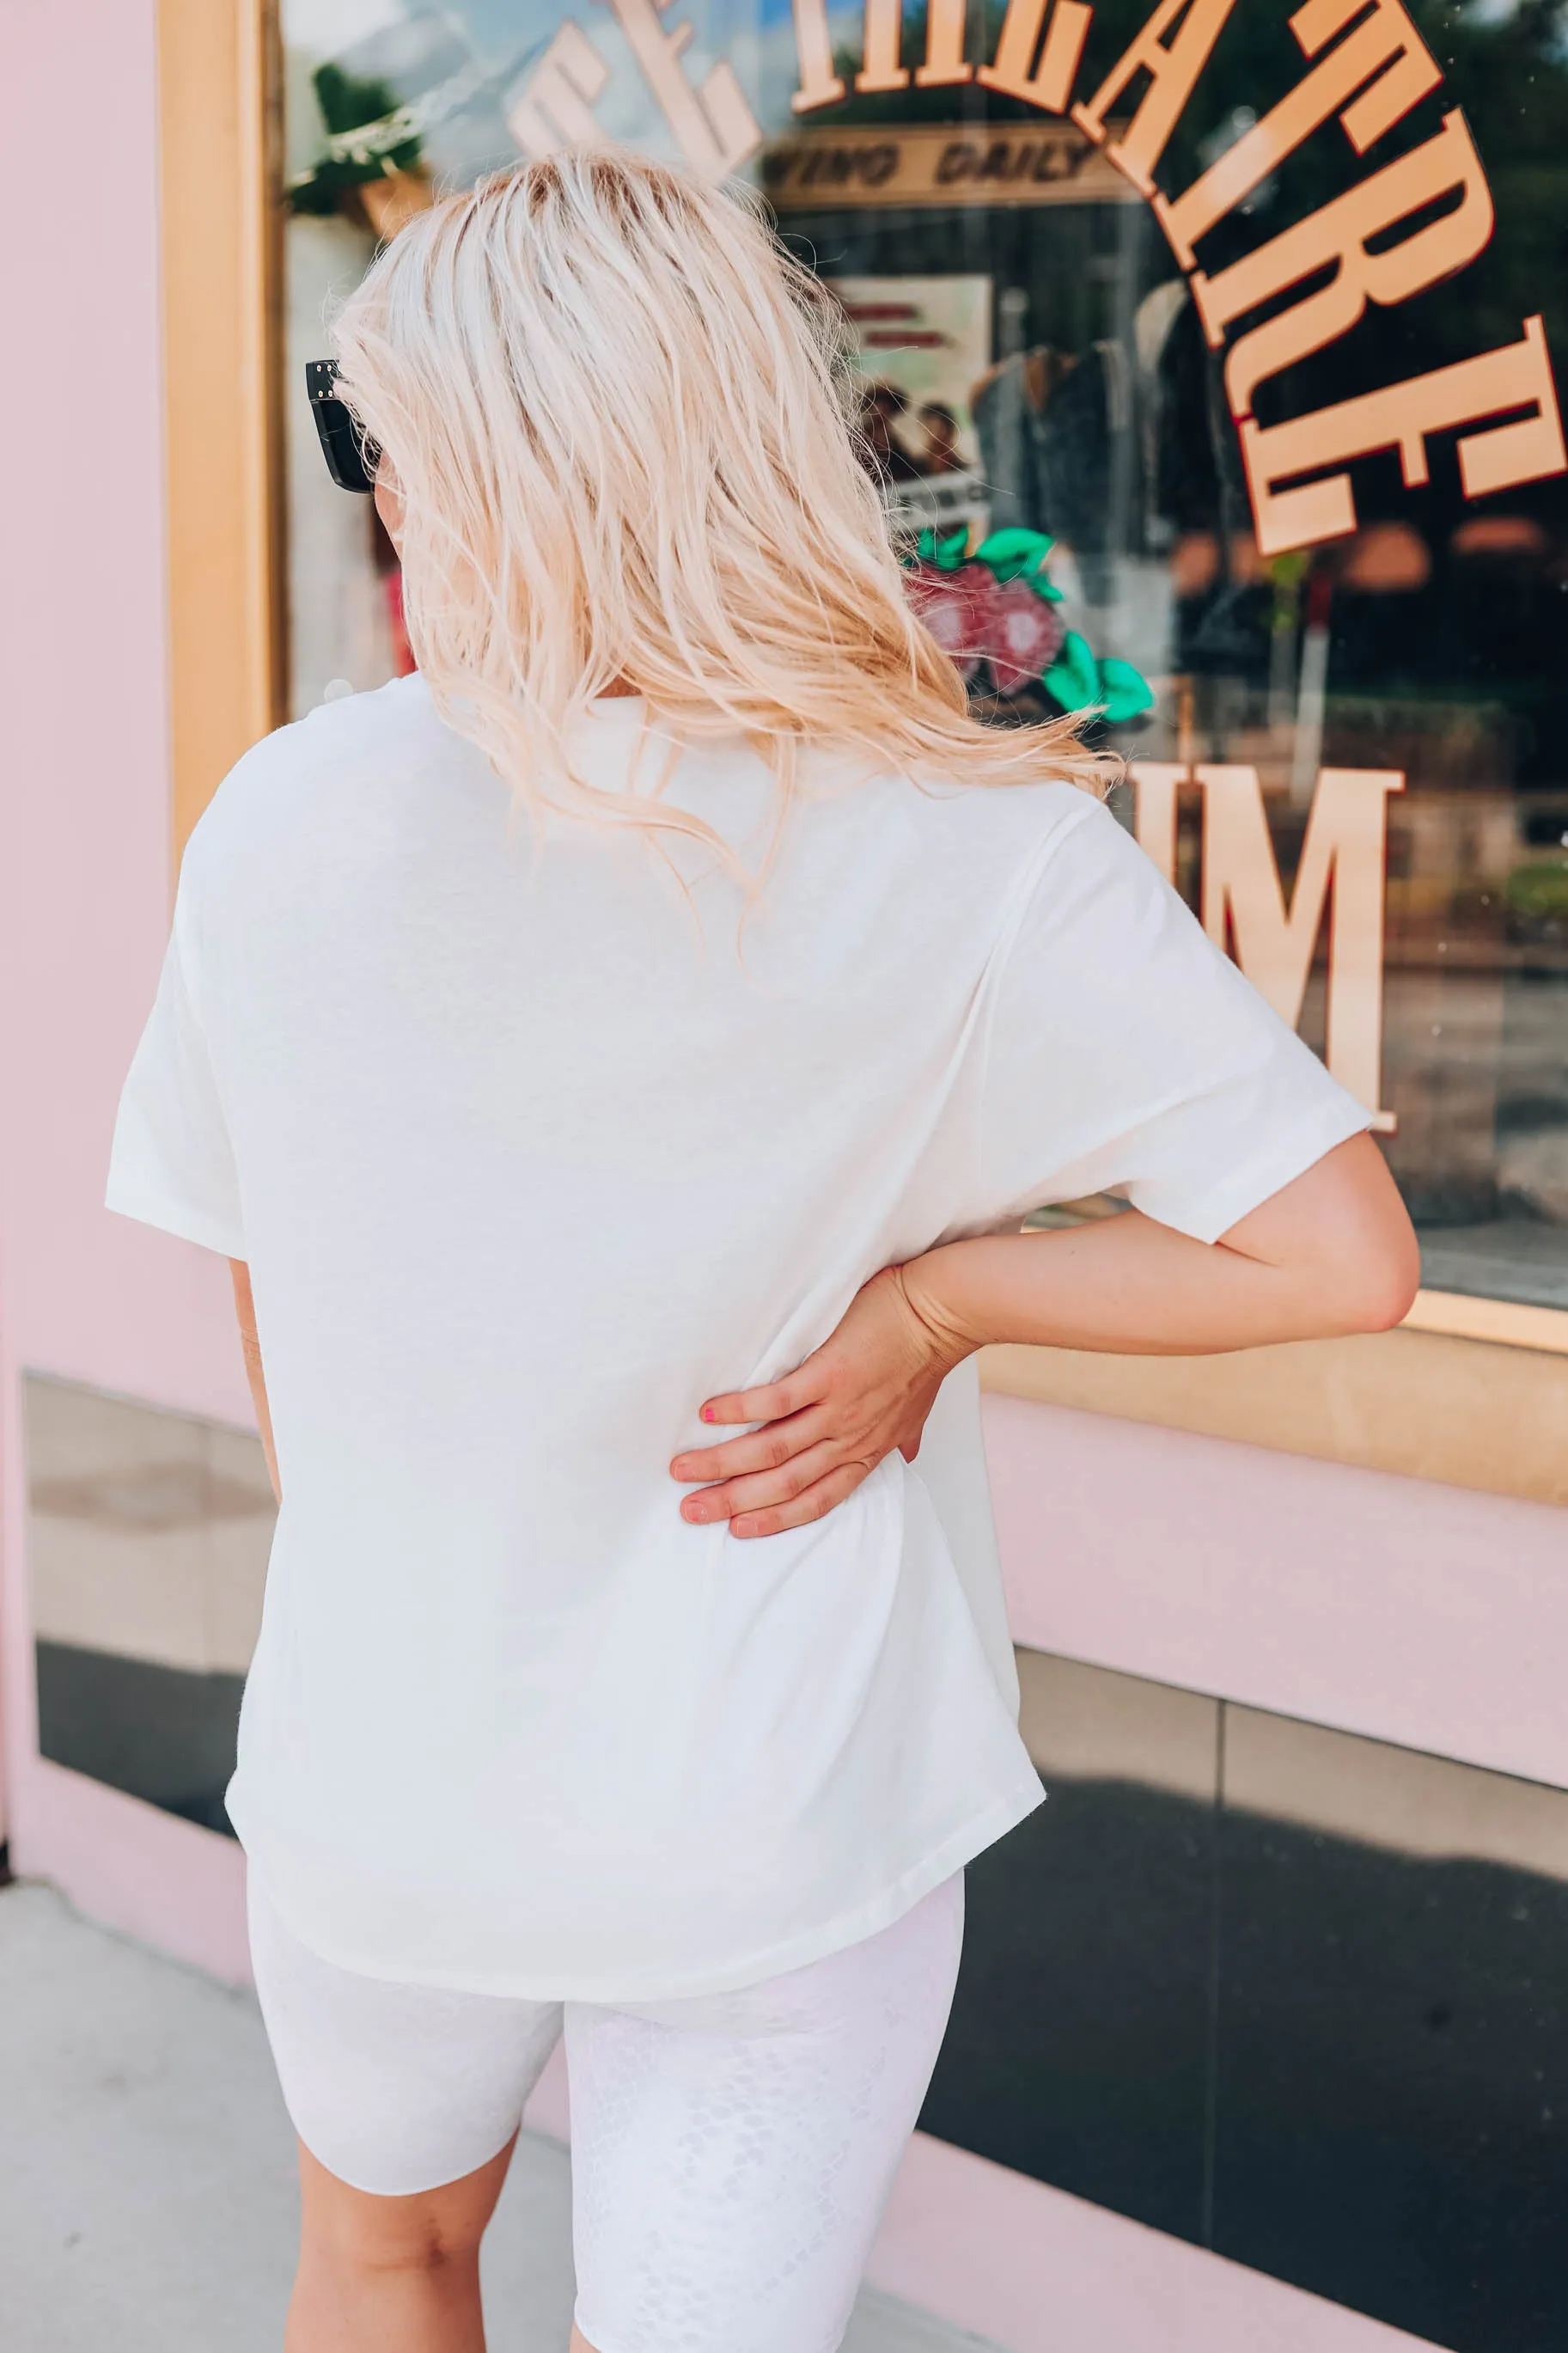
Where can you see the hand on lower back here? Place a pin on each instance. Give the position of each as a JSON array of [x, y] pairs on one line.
[[1331, 1252], [826, 1426]]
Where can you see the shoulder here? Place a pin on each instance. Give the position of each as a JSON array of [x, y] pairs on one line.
[[968, 856], [343, 739], [303, 776], [1015, 832], [985, 818]]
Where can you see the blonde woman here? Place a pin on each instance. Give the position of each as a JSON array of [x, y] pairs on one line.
[[617, 1061]]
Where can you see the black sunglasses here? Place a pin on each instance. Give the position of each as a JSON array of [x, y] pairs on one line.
[[351, 457]]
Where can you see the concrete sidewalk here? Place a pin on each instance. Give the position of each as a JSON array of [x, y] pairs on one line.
[[147, 2200]]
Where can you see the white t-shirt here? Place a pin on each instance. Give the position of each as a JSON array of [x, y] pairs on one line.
[[532, 1145]]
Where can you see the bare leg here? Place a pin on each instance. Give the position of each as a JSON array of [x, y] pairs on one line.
[[391, 2274]]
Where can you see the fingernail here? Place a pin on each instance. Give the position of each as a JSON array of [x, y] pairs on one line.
[[707, 1413]]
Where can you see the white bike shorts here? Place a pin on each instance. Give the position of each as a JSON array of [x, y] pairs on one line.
[[732, 2154]]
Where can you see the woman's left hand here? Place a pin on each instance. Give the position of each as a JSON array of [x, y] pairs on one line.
[[826, 1425]]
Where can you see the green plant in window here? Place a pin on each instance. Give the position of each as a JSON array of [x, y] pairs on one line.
[[1538, 890]]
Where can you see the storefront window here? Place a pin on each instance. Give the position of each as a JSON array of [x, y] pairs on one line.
[[1250, 315]]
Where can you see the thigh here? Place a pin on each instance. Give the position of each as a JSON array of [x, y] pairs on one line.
[[731, 2156], [395, 2089]]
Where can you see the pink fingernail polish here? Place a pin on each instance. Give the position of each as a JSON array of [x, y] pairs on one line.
[[707, 1413]]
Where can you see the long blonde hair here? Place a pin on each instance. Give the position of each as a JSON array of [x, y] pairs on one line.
[[617, 415]]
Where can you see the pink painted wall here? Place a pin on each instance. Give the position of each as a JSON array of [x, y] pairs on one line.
[[1426, 1615], [84, 799], [1039, 2272]]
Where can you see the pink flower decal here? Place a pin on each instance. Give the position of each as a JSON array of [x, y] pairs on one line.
[[999, 608]]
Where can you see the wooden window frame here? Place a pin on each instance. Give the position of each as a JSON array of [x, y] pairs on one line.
[[1440, 1399], [219, 96]]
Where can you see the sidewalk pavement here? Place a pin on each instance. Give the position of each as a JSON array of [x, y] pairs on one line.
[[147, 2199]]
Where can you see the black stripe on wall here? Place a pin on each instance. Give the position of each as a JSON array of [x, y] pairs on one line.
[[164, 1734], [1335, 2060]]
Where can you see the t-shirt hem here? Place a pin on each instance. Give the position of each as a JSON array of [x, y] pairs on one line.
[[1289, 1155], [171, 1216], [847, 1928]]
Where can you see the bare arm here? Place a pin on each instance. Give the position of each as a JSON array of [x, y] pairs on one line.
[[245, 1308], [1332, 1253]]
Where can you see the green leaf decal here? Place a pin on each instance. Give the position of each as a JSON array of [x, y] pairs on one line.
[[1074, 676], [1123, 690], [1016, 552]]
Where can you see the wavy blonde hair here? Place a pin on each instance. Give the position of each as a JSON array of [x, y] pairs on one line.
[[617, 415]]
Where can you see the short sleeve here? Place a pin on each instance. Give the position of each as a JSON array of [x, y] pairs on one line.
[[1127, 1054], [171, 1163]]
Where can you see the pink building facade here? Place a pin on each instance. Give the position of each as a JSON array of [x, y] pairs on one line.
[[1255, 2045]]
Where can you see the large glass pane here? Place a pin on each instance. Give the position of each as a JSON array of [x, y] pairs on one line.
[[1251, 315]]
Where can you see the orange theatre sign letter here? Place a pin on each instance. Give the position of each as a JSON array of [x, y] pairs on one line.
[[711, 125], [1367, 66], [1343, 859]]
